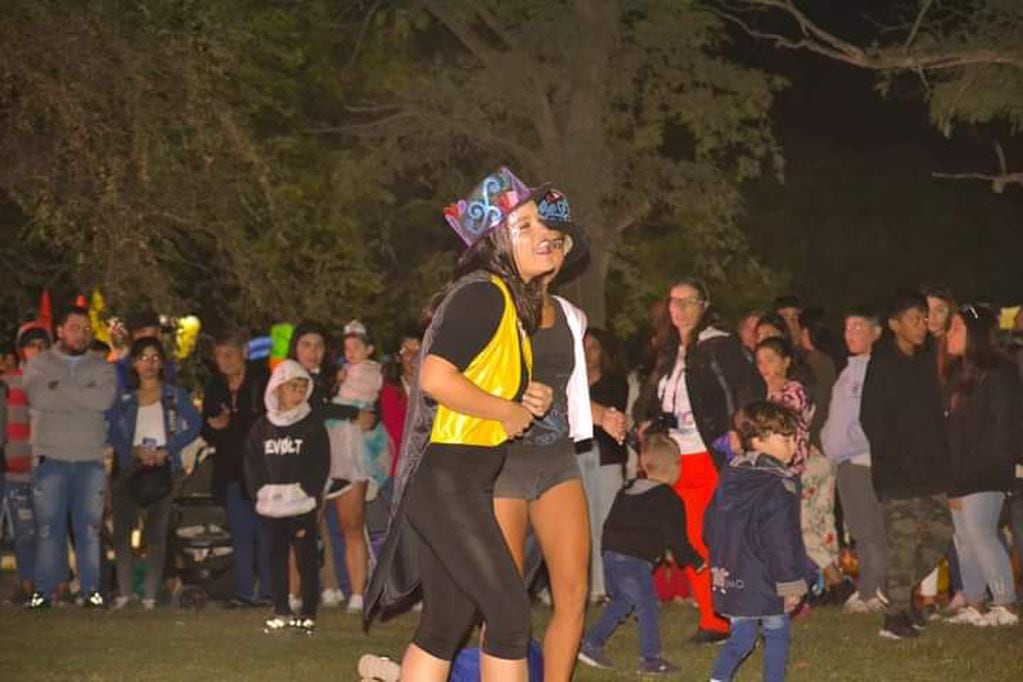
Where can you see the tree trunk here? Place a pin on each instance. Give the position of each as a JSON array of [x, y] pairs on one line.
[[587, 289]]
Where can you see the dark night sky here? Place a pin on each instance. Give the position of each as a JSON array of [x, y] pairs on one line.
[[859, 213]]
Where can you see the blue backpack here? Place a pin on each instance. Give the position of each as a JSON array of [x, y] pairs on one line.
[[466, 666]]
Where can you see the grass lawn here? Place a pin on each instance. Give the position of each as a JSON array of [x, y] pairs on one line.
[[219, 644]]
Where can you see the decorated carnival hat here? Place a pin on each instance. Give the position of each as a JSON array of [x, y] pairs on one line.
[[489, 205], [556, 213]]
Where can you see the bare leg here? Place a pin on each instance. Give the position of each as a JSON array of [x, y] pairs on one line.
[[351, 512], [419, 666], [513, 516], [561, 520], [494, 669]]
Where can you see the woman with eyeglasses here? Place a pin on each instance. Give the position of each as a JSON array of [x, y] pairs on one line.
[[700, 379], [983, 407], [148, 425]]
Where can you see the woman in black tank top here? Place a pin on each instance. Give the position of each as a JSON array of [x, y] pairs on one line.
[[540, 484]]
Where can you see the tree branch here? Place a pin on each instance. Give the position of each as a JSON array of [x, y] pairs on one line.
[[917, 23], [362, 34], [998, 182], [813, 38], [630, 216], [469, 38]]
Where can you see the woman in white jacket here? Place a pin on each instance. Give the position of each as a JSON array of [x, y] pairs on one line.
[[540, 484]]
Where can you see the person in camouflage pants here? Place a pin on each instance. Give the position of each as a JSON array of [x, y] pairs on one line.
[[903, 416], [919, 530]]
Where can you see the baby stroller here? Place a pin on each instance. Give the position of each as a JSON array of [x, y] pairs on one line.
[[200, 545]]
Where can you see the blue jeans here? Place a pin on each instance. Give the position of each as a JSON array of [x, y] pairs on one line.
[[23, 518], [630, 583], [251, 541], [61, 488], [777, 635], [1015, 504], [983, 559]]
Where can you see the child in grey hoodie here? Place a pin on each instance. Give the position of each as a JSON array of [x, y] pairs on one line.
[[846, 444]]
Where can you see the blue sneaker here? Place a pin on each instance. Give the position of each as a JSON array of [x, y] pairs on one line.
[[594, 657]]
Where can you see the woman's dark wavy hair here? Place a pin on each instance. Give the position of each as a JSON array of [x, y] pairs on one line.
[[666, 336], [327, 376], [493, 254], [775, 320], [135, 351], [969, 370], [780, 345]]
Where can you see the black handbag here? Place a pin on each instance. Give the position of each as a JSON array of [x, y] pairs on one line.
[[149, 484]]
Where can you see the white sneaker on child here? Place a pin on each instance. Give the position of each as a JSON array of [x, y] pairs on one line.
[[332, 598], [355, 604], [380, 668]]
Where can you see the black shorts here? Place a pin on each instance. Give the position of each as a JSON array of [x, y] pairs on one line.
[[529, 472]]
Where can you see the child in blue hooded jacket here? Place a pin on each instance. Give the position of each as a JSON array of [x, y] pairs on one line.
[[759, 567]]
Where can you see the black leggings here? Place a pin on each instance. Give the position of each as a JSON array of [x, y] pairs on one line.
[[300, 531], [464, 561]]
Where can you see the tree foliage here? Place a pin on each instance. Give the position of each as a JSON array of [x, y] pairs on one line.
[[628, 106], [155, 150], [253, 161]]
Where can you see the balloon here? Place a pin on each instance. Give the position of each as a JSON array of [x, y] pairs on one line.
[[97, 305], [280, 335], [186, 334], [259, 348]]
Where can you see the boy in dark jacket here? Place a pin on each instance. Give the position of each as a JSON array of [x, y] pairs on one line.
[[646, 519], [902, 414], [286, 463], [759, 567]]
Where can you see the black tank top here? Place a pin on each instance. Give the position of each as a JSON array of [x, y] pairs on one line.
[[553, 363]]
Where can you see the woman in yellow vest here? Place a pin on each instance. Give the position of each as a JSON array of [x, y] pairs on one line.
[[473, 394]]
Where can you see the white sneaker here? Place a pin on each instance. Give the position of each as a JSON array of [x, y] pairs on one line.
[[121, 602], [372, 667], [294, 603], [968, 616], [332, 598], [875, 605], [148, 604], [855, 605], [355, 604], [999, 616], [275, 624]]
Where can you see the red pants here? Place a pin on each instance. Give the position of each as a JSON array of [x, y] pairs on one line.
[[695, 485]]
